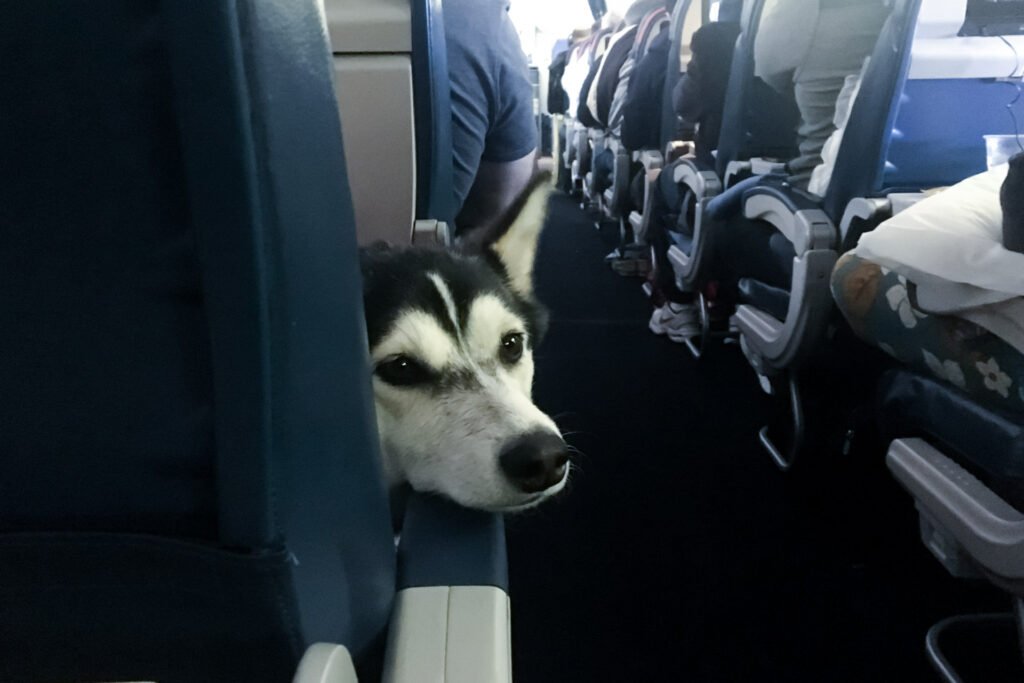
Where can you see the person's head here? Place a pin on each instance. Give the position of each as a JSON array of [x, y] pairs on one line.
[[579, 35]]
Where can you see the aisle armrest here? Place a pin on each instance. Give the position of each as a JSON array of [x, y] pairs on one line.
[[988, 528], [793, 213], [702, 182], [451, 619]]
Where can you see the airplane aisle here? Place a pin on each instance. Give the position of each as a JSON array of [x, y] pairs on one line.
[[680, 552]]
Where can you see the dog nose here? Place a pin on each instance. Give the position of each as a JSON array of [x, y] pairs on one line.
[[535, 461]]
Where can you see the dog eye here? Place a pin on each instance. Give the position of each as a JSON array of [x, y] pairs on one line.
[[511, 348], [402, 371]]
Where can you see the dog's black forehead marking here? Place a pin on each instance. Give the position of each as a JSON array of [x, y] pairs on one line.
[[396, 280]]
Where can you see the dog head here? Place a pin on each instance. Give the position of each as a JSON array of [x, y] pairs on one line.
[[451, 341]]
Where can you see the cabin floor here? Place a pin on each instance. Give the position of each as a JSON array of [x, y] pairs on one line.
[[680, 552]]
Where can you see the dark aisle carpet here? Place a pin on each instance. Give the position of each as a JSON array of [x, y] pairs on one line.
[[681, 553]]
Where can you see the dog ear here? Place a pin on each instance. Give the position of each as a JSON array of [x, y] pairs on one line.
[[512, 239]]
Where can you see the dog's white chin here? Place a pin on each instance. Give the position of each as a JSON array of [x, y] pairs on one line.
[[525, 502], [503, 501]]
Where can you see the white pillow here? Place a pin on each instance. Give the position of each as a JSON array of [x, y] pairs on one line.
[[950, 246]]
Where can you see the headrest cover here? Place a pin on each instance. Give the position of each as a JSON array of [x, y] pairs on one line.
[[940, 18]]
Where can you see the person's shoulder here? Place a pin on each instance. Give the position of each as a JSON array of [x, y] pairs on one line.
[[470, 21]]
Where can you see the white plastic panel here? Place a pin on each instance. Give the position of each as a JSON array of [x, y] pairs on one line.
[[940, 18], [450, 634], [380, 143], [967, 57], [369, 26]]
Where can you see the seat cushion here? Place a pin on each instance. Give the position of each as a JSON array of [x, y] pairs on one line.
[[881, 308], [773, 300]]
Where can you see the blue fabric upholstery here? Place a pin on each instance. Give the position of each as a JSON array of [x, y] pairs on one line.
[[95, 231], [669, 120], [446, 545], [923, 153], [757, 120], [435, 194], [189, 452]]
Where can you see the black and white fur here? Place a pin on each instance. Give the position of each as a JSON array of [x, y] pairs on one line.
[[451, 338]]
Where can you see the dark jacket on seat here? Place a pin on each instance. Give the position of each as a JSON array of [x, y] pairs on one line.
[[614, 58], [641, 113], [699, 96]]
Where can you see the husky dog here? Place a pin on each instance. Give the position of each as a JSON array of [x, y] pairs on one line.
[[451, 341]]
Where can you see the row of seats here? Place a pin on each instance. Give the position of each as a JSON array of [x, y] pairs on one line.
[[942, 74], [190, 487]]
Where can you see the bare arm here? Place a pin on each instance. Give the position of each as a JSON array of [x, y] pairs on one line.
[[495, 187]]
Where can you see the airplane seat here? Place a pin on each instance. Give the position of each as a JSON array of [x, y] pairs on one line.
[[961, 460], [680, 27], [190, 487], [372, 41], [916, 123], [435, 193], [758, 129], [616, 198]]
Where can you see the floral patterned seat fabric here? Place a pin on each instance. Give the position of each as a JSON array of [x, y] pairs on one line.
[[880, 307]]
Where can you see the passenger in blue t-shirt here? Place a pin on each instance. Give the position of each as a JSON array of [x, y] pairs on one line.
[[494, 134]]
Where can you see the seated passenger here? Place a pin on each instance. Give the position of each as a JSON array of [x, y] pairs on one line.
[[804, 48], [641, 107], [807, 48], [494, 134], [558, 99], [699, 98], [649, 31], [607, 79], [578, 67]]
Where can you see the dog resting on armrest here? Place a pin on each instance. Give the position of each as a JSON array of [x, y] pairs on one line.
[[451, 341]]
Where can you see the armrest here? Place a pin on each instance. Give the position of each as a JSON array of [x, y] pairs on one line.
[[690, 268], [444, 544], [703, 183], [794, 214], [986, 526], [649, 158], [451, 620], [677, 149], [772, 345], [863, 214], [763, 166], [430, 232], [736, 170]]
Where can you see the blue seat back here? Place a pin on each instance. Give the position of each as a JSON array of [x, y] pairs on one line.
[[912, 130], [189, 487], [435, 185], [757, 120], [676, 27]]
